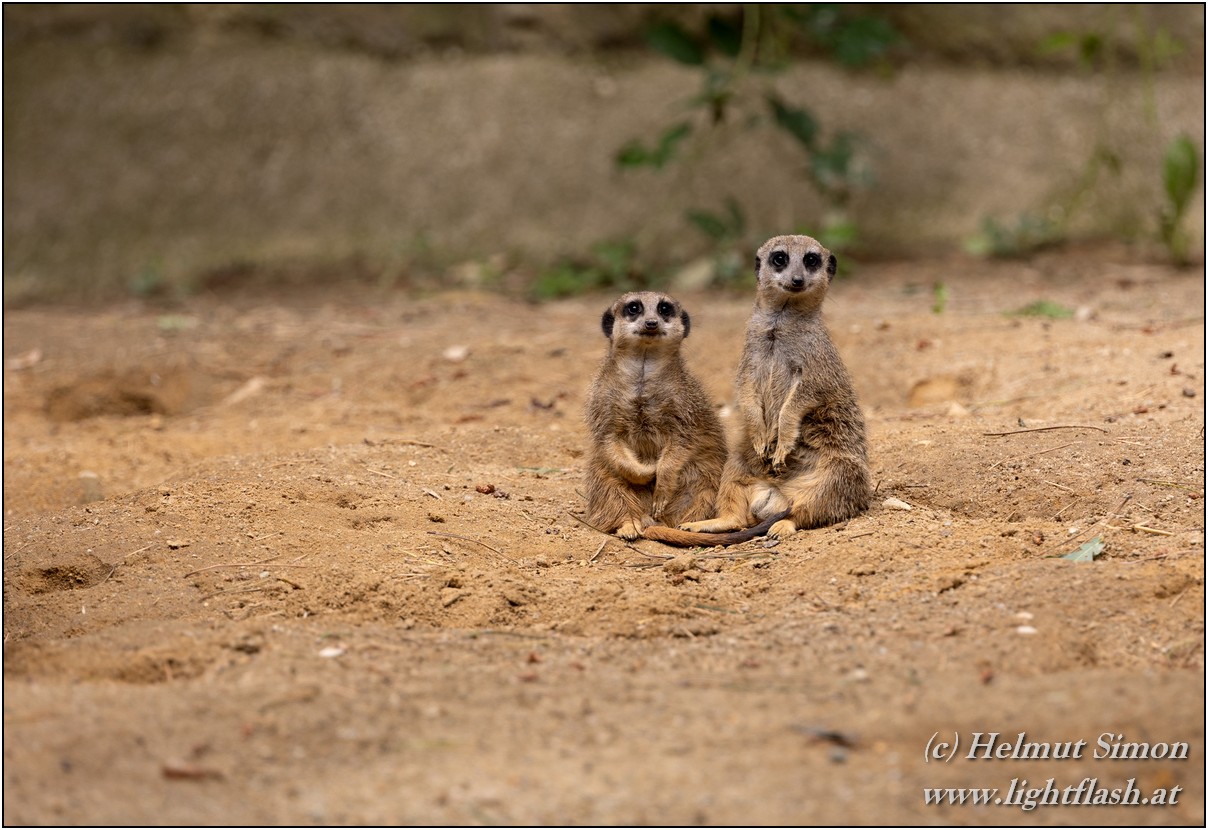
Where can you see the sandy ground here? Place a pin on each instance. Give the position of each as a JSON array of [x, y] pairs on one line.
[[311, 559]]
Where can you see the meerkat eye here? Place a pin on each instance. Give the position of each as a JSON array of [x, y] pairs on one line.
[[633, 308], [666, 309], [779, 260], [812, 261]]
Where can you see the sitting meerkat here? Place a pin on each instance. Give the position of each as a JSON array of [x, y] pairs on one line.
[[801, 459], [657, 447]]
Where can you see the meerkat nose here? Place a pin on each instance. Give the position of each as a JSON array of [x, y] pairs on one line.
[[798, 282], [652, 324]]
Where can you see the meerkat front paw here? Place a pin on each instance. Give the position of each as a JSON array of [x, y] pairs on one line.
[[659, 507], [783, 529], [630, 529], [765, 445], [780, 457]]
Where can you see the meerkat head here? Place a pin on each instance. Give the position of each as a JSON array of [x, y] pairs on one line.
[[794, 269], [645, 320]]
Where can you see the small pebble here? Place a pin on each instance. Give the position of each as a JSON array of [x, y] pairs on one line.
[[896, 504], [90, 487], [680, 564], [1025, 629]]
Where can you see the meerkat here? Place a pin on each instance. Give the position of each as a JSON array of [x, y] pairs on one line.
[[801, 458], [657, 446]]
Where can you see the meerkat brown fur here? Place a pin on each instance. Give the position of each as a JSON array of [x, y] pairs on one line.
[[657, 447], [801, 457]]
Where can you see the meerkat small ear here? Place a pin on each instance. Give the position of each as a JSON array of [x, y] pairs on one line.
[[831, 265], [606, 323], [687, 321], [758, 265]]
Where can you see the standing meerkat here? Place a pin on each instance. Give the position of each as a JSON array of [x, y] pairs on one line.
[[657, 447], [801, 459]]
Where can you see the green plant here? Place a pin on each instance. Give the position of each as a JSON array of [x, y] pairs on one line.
[[725, 231], [1027, 234], [738, 56], [939, 295], [1098, 51], [1180, 174], [151, 281], [1043, 308], [610, 264]]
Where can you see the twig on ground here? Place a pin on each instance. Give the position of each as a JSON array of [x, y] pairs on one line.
[[468, 539], [1057, 515], [1042, 429], [1029, 455], [1153, 530], [1106, 520], [136, 552], [1181, 485], [230, 565]]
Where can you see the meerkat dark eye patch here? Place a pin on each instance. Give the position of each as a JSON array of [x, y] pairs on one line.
[[665, 309], [831, 265], [633, 308], [606, 323], [758, 265], [687, 321], [812, 261], [779, 260]]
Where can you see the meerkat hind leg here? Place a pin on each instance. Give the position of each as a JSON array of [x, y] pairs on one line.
[[738, 485]]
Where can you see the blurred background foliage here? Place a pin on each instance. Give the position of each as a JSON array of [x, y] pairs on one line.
[[161, 150]]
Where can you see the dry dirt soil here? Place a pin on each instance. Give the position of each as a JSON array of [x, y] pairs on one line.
[[312, 559]]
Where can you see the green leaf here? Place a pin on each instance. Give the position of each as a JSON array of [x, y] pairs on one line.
[[710, 224], [614, 260], [1087, 551], [1090, 48], [1044, 308], [1164, 47], [798, 123], [831, 167], [725, 36], [1180, 170], [635, 154], [672, 136], [1057, 42], [862, 40], [939, 293], [672, 41], [839, 234], [738, 219]]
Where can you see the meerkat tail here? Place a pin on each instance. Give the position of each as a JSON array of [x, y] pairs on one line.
[[692, 539]]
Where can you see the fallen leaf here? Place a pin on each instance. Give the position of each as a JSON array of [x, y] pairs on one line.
[[1087, 551]]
